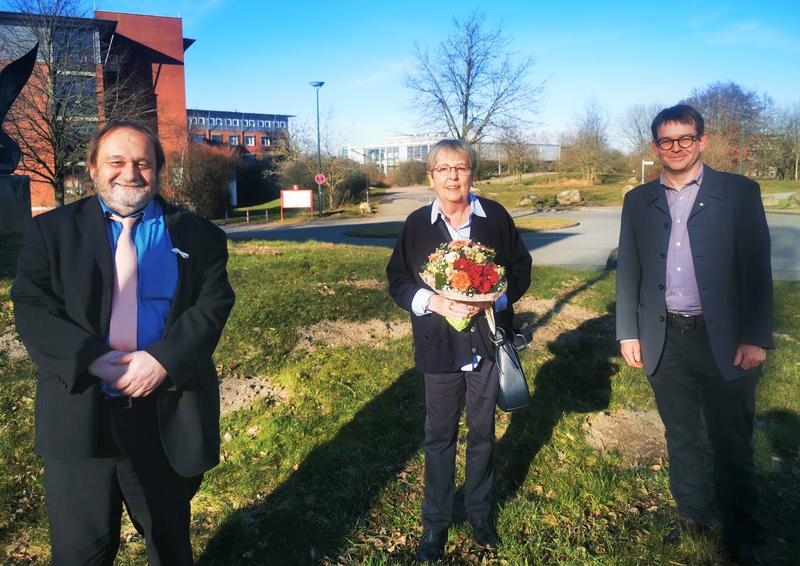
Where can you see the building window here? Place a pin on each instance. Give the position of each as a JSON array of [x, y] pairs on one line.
[[265, 141], [198, 138], [250, 141], [233, 140], [216, 138]]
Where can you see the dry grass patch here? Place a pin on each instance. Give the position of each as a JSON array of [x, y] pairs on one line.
[[546, 320], [365, 283], [11, 347], [335, 333], [255, 249], [635, 435], [236, 392]]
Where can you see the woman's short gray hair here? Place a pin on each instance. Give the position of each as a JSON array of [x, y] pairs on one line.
[[456, 146]]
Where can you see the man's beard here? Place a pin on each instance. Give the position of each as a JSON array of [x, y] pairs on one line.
[[126, 199]]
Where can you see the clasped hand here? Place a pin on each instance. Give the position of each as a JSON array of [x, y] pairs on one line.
[[456, 309], [135, 374]]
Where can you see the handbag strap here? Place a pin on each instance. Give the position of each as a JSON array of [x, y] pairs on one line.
[[496, 334], [445, 232]]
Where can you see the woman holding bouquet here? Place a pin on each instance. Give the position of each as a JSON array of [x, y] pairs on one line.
[[456, 358]]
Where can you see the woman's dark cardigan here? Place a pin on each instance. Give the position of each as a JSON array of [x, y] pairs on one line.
[[438, 347]]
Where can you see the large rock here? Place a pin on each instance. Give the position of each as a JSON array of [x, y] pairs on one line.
[[794, 199], [527, 200], [626, 189], [568, 197], [769, 200]]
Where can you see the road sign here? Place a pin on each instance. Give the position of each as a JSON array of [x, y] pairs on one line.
[[319, 179]]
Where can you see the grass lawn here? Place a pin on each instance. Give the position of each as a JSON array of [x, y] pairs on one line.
[[524, 224], [332, 473], [779, 186], [609, 193], [546, 187]]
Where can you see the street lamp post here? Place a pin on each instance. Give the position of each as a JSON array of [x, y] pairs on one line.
[[317, 85]]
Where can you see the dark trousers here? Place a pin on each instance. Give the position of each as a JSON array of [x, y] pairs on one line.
[[698, 408], [84, 497], [445, 397]]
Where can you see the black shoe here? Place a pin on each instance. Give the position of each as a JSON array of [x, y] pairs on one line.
[[484, 535], [685, 526], [744, 554], [431, 545]]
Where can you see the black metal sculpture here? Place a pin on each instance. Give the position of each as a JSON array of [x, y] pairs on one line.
[[12, 79]]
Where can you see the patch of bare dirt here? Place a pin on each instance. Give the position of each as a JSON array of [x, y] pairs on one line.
[[546, 321], [636, 435], [240, 392], [256, 249], [11, 347], [374, 332]]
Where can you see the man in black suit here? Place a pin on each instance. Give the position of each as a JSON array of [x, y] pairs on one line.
[[694, 308], [135, 424]]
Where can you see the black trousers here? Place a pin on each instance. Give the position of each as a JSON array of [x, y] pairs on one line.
[[445, 397], [701, 410], [84, 497]]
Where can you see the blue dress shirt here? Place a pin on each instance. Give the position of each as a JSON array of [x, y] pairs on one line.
[[157, 272]]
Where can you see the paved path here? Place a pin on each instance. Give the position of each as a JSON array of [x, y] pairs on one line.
[[587, 245]]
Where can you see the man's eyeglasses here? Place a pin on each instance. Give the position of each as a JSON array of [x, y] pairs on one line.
[[447, 169], [685, 142]]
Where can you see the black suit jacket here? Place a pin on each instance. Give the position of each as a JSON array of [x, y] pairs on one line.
[[438, 347], [62, 302], [731, 255]]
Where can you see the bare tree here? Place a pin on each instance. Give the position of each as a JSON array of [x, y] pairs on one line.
[[733, 116], [517, 150], [587, 150], [779, 146], [635, 127], [469, 85], [70, 91]]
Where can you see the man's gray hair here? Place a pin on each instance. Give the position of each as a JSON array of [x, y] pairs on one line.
[[456, 146]]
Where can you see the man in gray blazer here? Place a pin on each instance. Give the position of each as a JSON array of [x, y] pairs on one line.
[[694, 308]]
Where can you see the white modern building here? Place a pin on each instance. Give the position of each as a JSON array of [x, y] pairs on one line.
[[397, 149]]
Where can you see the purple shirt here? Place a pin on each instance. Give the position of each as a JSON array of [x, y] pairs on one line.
[[682, 295]]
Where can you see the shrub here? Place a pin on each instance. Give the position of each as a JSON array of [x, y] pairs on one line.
[[408, 173], [199, 178]]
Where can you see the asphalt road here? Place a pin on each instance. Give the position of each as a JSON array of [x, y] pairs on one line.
[[587, 245]]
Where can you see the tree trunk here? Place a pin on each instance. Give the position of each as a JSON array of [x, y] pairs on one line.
[[58, 190]]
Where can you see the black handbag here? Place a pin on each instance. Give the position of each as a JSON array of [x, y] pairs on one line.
[[513, 393]]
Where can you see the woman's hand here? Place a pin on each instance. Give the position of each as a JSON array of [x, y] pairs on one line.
[[455, 309]]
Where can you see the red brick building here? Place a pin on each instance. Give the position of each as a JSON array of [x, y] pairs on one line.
[[252, 133], [152, 65]]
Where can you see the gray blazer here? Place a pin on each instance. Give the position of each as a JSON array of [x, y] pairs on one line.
[[731, 252]]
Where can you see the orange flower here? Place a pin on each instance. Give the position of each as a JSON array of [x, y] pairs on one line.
[[459, 280]]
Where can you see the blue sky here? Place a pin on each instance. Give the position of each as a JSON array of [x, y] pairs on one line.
[[259, 56]]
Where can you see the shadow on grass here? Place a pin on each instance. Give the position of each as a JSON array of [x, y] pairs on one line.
[[576, 379], [10, 248], [779, 495], [311, 514]]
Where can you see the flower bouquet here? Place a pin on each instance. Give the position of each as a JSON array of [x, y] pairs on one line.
[[463, 270]]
